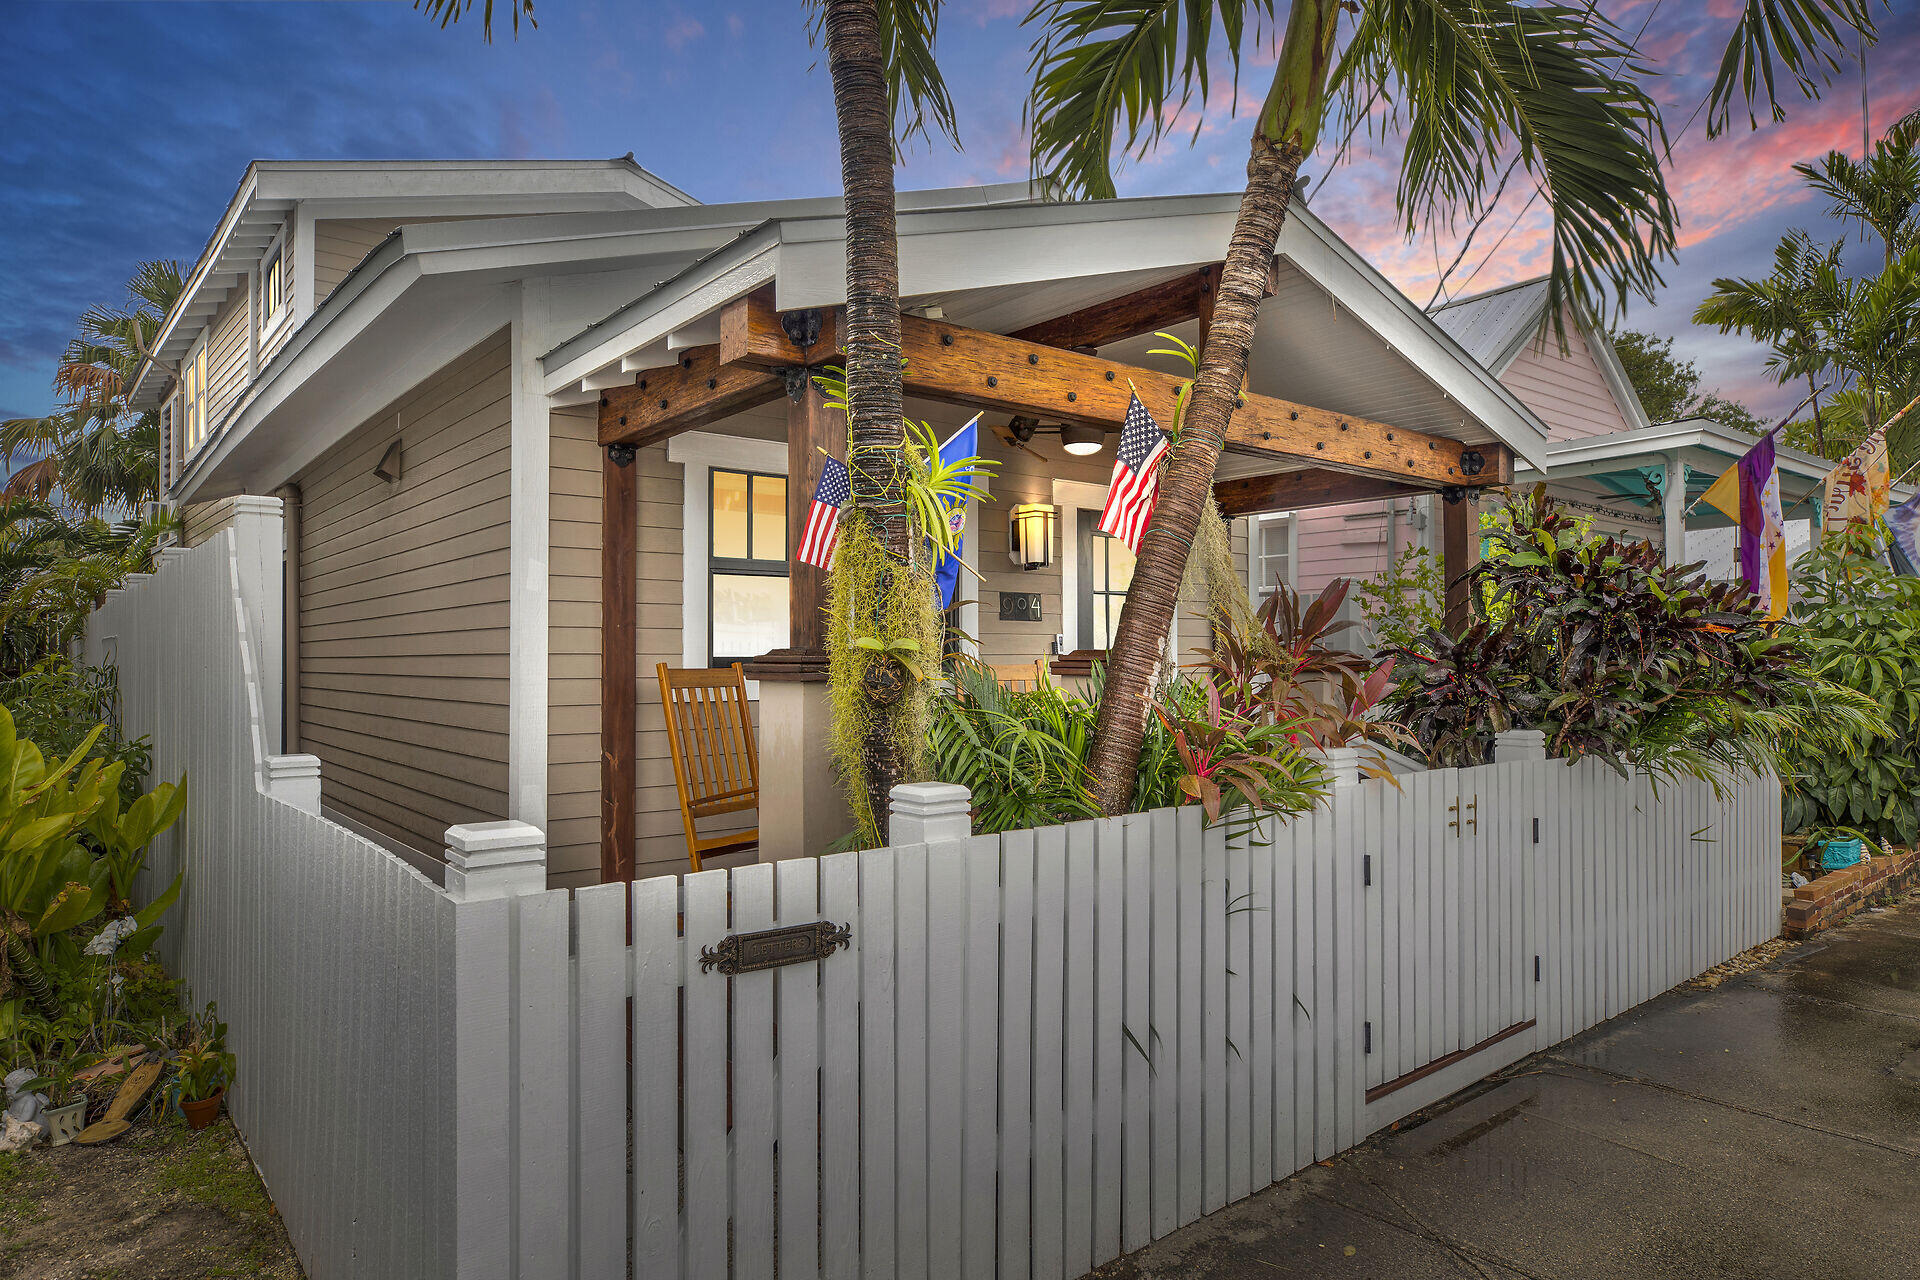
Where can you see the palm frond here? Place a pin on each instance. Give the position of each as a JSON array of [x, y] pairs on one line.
[[1557, 87], [447, 12], [1808, 38]]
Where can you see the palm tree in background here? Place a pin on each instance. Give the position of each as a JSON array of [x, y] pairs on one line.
[[1466, 83], [93, 453], [1791, 310], [1881, 191]]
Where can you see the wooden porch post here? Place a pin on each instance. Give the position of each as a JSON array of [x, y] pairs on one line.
[[810, 428], [1459, 536], [619, 659]]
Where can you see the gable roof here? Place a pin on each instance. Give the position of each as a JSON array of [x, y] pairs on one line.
[[1338, 335], [1496, 326], [269, 189]]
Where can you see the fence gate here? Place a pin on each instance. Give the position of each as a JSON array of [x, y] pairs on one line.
[[1447, 870]]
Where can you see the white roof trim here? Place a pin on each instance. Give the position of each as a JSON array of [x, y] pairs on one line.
[[269, 188], [1623, 449]]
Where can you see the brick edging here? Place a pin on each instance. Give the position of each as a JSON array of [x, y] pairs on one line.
[[1837, 895]]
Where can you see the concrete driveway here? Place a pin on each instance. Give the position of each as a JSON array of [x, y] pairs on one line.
[[1767, 1127]]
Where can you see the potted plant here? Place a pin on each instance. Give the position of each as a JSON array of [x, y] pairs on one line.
[[1835, 848], [203, 1069], [66, 1112]]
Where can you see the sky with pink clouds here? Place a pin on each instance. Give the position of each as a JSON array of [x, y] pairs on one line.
[[127, 126]]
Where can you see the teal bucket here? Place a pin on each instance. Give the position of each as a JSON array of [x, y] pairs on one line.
[[1838, 855]]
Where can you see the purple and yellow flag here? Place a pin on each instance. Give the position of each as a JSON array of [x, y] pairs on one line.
[[1749, 494]]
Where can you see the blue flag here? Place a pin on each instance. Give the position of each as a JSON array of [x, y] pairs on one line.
[[946, 573], [1904, 521]]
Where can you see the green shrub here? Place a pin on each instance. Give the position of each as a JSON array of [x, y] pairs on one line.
[[1859, 625], [1615, 654]]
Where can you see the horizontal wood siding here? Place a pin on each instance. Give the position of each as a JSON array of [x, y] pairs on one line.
[[403, 608], [227, 354], [338, 246], [1564, 389], [1349, 542], [199, 521]]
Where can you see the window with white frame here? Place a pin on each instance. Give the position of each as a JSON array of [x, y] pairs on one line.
[[273, 308], [1270, 553], [193, 399], [746, 565]]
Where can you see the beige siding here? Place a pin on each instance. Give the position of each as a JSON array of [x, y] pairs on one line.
[[227, 355], [403, 608], [201, 520], [1566, 390], [573, 741], [338, 246]]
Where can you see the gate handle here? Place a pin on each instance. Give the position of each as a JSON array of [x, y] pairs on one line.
[[1473, 810]]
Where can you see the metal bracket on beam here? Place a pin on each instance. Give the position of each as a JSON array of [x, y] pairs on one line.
[[1472, 462], [1455, 494], [622, 454], [801, 327], [796, 376]]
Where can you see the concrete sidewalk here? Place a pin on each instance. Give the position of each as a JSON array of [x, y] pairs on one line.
[[1768, 1127]]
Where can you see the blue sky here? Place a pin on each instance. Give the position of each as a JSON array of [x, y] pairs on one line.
[[127, 127]]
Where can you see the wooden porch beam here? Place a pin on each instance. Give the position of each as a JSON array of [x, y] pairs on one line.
[[1459, 549], [985, 370], [968, 367], [697, 390], [1304, 490]]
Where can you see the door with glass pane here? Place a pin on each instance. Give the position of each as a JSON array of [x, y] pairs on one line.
[[1103, 583], [746, 566]]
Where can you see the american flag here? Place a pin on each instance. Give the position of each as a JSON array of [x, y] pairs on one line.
[[1135, 486], [823, 518]]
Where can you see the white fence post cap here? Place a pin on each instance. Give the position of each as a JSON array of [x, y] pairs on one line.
[[929, 812], [295, 780], [1510, 746], [1342, 765], [495, 860]]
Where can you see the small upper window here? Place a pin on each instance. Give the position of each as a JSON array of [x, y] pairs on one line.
[[272, 290], [193, 400]]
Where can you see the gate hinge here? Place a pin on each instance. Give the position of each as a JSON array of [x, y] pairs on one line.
[[1536, 968], [1368, 1033], [1536, 831], [1366, 869]]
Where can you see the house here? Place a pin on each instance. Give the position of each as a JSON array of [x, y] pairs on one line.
[[539, 426], [1604, 459]]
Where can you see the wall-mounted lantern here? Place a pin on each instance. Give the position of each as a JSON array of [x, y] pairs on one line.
[[1030, 535]]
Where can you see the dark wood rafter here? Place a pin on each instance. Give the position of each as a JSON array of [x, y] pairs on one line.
[[1304, 490], [619, 660], [1157, 306], [696, 390]]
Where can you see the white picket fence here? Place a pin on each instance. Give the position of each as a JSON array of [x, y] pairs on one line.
[[1037, 1051]]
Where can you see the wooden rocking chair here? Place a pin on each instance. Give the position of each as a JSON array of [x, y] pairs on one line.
[[716, 765], [1020, 677]]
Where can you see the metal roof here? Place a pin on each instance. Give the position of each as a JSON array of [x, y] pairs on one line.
[[1493, 326]]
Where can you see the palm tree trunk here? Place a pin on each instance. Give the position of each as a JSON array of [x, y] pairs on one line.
[[875, 438], [1289, 124]]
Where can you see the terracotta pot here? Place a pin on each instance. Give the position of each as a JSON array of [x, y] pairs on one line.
[[201, 1113]]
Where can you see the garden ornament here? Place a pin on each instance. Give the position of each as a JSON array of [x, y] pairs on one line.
[[23, 1105]]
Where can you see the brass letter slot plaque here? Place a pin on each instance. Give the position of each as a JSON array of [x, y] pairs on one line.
[[773, 948]]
